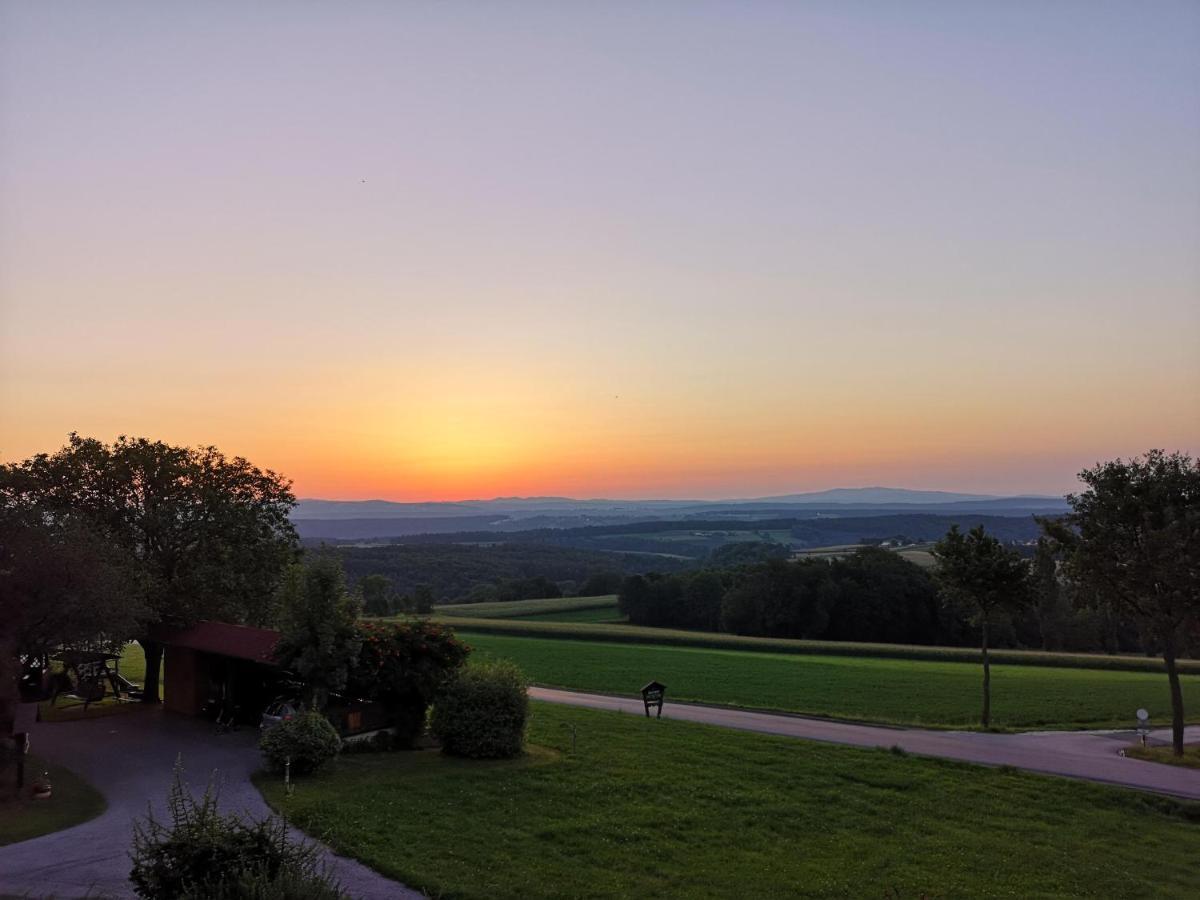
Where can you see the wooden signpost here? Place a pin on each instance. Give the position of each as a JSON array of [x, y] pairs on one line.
[[652, 695]]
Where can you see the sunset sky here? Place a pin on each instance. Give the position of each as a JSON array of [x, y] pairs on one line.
[[667, 249]]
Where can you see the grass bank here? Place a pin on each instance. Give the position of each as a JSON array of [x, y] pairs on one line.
[[71, 802], [887, 690], [1189, 760], [661, 808]]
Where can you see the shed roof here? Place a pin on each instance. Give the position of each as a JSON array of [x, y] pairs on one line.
[[239, 641]]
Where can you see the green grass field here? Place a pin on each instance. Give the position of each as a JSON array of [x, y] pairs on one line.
[[72, 801], [656, 809], [602, 615], [898, 691], [637, 634]]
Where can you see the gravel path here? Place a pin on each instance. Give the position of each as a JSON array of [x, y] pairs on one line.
[[1088, 755], [129, 758]]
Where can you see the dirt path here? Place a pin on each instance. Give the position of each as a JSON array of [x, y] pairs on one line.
[[129, 758], [1089, 755]]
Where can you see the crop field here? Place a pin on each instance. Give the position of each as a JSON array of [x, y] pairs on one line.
[[886, 690], [595, 615], [639, 634], [916, 553], [555, 609], [659, 808]]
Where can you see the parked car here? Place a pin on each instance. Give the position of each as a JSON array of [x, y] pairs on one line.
[[278, 710]]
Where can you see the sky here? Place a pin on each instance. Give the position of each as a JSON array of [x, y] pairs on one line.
[[424, 251]]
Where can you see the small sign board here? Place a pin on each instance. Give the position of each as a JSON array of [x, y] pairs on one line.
[[652, 695]]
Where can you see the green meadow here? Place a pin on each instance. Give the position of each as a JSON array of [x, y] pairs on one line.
[[660, 808], [876, 689]]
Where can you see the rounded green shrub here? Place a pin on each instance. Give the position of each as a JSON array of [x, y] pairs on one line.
[[307, 739], [481, 713]]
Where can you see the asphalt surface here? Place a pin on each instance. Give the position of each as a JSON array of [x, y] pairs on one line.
[[129, 758], [1087, 755]]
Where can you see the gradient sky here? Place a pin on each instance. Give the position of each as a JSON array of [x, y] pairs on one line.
[[439, 251]]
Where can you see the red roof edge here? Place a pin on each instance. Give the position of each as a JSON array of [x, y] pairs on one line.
[[222, 638]]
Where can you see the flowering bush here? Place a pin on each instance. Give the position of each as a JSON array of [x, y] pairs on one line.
[[403, 664]]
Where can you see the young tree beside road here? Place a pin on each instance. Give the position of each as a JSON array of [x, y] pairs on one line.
[[976, 570]]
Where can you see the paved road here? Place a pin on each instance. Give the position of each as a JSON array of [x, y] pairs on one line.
[[129, 758], [1089, 755]]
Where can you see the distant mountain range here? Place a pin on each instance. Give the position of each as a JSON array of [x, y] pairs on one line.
[[366, 519], [868, 496]]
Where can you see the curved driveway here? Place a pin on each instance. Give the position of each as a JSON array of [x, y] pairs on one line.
[[129, 758], [1089, 755]]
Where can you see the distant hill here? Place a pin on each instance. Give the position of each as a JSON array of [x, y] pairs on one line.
[[376, 519], [875, 495]]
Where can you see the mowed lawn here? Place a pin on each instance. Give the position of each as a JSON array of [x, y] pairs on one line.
[[72, 801], [649, 808], [900, 691]]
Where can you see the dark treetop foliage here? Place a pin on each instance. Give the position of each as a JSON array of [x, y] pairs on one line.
[[63, 582], [1132, 544], [210, 535]]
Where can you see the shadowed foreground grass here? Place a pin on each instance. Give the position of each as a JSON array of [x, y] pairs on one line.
[[900, 691], [72, 801], [660, 808]]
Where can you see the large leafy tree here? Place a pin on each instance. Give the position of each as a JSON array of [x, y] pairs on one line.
[[61, 582], [977, 571], [208, 536], [1132, 547], [320, 639]]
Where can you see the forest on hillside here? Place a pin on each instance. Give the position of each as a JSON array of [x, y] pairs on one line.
[[453, 570]]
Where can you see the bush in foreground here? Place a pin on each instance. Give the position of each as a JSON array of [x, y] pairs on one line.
[[204, 855], [481, 714], [307, 739]]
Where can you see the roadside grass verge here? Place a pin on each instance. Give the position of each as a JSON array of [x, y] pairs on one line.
[[1189, 760], [514, 609], [871, 689], [640, 634], [663, 808], [72, 802]]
